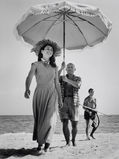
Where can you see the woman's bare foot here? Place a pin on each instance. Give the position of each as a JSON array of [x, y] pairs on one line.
[[39, 150]]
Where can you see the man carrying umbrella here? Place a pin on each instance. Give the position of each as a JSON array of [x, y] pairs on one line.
[[70, 84]]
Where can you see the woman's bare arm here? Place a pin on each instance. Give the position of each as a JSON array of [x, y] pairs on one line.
[[29, 80]]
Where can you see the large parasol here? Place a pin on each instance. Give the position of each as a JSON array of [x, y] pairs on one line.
[[70, 25]]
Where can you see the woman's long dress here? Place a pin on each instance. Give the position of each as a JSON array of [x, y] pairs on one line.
[[44, 103]]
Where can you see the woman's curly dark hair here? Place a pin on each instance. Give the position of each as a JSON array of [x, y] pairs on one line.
[[41, 45], [51, 59]]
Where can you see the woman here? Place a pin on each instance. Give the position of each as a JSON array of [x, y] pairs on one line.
[[47, 94]]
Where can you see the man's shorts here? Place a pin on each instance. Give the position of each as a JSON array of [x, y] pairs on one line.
[[69, 111], [89, 115]]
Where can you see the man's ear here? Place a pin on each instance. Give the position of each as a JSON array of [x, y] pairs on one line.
[[74, 69]]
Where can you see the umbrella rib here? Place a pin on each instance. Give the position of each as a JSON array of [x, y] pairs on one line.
[[38, 22], [78, 28], [89, 23], [52, 24]]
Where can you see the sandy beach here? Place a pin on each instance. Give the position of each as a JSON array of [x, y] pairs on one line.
[[20, 145]]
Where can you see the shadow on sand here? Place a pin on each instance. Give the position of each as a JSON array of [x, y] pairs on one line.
[[5, 153]]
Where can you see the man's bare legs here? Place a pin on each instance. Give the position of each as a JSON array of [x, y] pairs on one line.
[[74, 131], [87, 129], [66, 131], [93, 130]]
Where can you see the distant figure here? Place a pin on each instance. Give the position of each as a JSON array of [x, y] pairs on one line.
[[47, 94], [89, 106], [70, 84]]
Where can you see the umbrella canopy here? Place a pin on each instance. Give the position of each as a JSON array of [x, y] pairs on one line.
[[70, 25]]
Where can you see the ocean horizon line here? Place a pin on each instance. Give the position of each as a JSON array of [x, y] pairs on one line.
[[32, 114]]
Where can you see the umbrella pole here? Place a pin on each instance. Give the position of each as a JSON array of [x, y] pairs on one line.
[[64, 40]]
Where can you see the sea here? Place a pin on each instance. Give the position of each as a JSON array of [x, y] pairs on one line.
[[24, 123]]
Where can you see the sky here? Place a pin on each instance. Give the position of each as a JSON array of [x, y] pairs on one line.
[[97, 66]]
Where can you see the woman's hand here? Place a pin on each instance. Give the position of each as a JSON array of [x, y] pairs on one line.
[[27, 94]]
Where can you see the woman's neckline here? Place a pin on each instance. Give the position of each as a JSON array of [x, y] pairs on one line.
[[45, 61]]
